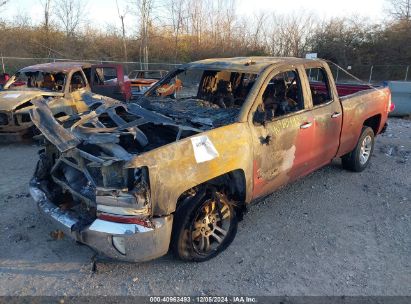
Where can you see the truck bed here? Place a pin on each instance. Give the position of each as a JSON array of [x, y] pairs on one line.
[[343, 89], [359, 107]]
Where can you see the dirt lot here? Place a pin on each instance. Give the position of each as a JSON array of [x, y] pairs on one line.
[[331, 233]]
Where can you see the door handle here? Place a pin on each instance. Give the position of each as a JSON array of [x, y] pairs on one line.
[[336, 114], [306, 125]]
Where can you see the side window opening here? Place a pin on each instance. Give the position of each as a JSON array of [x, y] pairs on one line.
[[77, 82], [282, 96], [319, 86], [52, 81], [105, 76]]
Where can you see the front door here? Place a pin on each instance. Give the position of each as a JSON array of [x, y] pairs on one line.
[[282, 132]]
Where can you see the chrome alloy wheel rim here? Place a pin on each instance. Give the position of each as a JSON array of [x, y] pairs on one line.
[[211, 226], [365, 150]]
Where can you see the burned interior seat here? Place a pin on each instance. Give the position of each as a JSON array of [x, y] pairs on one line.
[[48, 82], [318, 97], [280, 96], [284, 104], [223, 95], [77, 82], [268, 98]]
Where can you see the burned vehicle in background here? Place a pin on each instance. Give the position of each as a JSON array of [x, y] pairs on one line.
[[142, 80], [132, 180], [66, 86], [4, 77]]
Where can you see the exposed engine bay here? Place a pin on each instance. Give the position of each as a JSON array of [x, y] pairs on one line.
[[84, 158]]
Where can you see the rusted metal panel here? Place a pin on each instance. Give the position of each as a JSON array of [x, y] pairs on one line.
[[174, 169], [244, 64]]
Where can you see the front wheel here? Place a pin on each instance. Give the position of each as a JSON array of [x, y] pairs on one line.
[[358, 159], [204, 225]]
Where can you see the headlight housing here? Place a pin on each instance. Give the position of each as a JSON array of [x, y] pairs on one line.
[[133, 205]]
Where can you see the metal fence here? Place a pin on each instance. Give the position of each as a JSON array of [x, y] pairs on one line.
[[373, 73], [367, 73], [12, 64]]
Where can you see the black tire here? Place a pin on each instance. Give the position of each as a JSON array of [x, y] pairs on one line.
[[354, 161], [189, 242]]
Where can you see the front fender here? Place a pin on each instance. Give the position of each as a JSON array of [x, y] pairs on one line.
[[174, 169]]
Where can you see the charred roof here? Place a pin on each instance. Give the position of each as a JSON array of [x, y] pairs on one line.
[[54, 67], [252, 65]]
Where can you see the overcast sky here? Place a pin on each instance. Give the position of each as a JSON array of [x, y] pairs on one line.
[[102, 12]]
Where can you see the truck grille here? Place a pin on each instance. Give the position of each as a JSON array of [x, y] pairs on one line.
[[4, 120]]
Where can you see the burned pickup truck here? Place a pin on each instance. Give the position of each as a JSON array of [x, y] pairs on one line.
[[142, 80], [4, 77], [133, 180], [66, 86]]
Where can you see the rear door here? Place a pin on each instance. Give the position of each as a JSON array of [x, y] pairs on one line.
[[108, 80], [327, 112]]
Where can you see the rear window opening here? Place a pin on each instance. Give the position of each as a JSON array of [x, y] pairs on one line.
[[319, 86]]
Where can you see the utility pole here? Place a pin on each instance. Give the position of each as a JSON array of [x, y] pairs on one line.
[[122, 16], [372, 67], [2, 64]]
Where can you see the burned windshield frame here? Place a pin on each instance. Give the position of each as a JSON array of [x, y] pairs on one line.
[[167, 78], [223, 88]]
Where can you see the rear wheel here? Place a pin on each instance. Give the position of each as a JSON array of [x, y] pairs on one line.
[[358, 159], [204, 225]]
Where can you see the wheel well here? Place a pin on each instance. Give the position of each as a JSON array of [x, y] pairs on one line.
[[232, 183], [373, 122]]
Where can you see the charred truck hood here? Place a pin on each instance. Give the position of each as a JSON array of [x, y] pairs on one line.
[[121, 131], [14, 100]]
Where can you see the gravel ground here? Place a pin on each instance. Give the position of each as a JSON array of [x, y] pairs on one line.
[[331, 233]]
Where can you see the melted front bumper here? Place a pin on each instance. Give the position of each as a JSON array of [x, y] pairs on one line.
[[140, 243]]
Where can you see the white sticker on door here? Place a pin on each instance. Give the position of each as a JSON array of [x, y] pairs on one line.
[[204, 149]]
